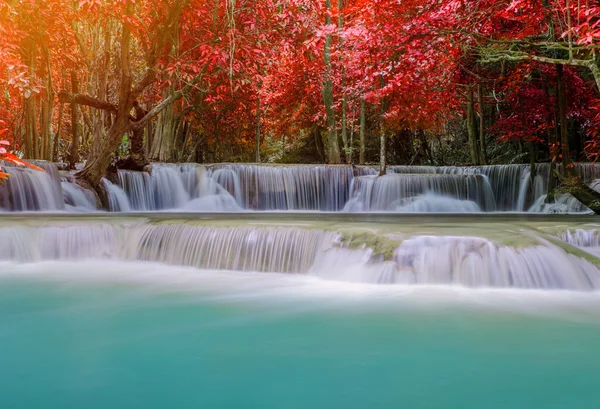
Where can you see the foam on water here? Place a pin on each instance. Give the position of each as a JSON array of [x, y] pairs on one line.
[[463, 261], [240, 287]]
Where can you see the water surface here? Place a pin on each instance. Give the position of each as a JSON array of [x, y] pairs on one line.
[[119, 335]]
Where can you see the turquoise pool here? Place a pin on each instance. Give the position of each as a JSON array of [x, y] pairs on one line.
[[117, 335]]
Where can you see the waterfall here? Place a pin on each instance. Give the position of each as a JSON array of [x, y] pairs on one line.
[[268, 249], [117, 199], [298, 187], [586, 239], [230, 181], [581, 238], [236, 187], [411, 192], [417, 259], [185, 187], [32, 190], [77, 197], [163, 189], [523, 191], [477, 262]]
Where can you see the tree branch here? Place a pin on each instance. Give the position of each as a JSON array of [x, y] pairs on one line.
[[506, 55], [158, 49], [156, 110], [82, 99]]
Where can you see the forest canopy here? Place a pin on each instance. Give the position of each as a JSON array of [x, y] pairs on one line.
[[307, 81]]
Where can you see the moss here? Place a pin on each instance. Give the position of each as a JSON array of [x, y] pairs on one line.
[[381, 245], [576, 251]]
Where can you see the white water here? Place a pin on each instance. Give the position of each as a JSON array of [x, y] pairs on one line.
[[117, 199], [78, 198], [410, 193], [235, 187], [418, 259], [29, 189]]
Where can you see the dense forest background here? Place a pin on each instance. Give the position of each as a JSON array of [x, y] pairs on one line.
[[439, 82]]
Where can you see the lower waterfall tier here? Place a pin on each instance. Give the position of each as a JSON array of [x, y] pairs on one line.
[[481, 255]]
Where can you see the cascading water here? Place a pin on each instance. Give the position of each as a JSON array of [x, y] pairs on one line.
[[410, 192], [78, 198], [32, 190], [268, 249], [236, 187], [300, 187], [163, 189], [476, 262], [587, 239], [117, 199], [168, 187], [465, 261]]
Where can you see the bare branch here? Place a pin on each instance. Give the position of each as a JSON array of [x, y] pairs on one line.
[[156, 110], [82, 99]]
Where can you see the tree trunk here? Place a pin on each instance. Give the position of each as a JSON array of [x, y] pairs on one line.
[[56, 139], [564, 126], [164, 133], [482, 143], [553, 136], [199, 149], [347, 146], [532, 169], [128, 92], [95, 168], [334, 147], [319, 144], [31, 129], [138, 152], [257, 131], [382, 152], [472, 128], [46, 114], [74, 158], [362, 131], [31, 132]]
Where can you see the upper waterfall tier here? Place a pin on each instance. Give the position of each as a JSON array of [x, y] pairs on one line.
[[239, 187], [484, 254]]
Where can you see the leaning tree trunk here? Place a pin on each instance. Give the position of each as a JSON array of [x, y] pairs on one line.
[[580, 191], [91, 175]]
